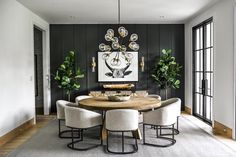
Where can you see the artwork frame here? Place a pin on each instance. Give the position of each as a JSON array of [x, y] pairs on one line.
[[125, 72]]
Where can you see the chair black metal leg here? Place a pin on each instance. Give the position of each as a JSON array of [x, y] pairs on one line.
[[72, 137], [71, 145], [136, 144], [82, 134], [59, 127], [157, 128], [176, 130], [107, 140], [143, 133], [172, 140], [101, 135], [135, 147], [177, 123], [123, 149], [173, 134], [60, 132]]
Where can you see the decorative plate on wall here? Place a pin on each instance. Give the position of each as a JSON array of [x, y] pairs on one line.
[[113, 67]]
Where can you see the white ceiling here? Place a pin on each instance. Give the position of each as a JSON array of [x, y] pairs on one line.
[[105, 11]]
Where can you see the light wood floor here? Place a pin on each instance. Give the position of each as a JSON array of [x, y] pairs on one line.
[[19, 140]]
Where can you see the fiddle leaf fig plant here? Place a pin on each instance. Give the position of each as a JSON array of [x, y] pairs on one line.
[[67, 75], [167, 71]]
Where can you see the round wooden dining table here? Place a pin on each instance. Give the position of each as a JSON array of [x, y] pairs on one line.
[[136, 103]]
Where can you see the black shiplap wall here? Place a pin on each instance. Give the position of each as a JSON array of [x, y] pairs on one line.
[[84, 40]]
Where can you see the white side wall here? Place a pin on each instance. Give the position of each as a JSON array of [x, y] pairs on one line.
[[16, 64], [223, 19]]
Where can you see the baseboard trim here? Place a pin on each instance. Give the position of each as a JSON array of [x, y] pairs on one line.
[[188, 110], [221, 129], [15, 132]]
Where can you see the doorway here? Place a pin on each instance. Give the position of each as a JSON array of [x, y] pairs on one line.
[[203, 70], [38, 70]]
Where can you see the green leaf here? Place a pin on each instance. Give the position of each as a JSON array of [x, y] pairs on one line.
[[72, 53], [164, 51], [177, 82], [169, 51], [64, 83], [63, 66], [79, 76]]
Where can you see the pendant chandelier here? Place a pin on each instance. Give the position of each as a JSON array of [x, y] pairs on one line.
[[119, 45]]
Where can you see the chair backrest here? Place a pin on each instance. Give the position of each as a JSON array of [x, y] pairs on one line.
[[108, 93], [82, 97], [122, 120], [141, 93], [81, 118], [127, 92], [61, 108], [95, 93], [165, 115], [154, 96], [172, 100]]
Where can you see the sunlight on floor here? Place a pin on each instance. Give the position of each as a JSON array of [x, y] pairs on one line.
[[228, 142]]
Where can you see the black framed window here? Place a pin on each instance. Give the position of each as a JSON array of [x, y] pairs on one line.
[[203, 70]]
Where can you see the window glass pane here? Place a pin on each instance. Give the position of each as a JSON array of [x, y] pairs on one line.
[[197, 61], [208, 84], [197, 39], [200, 61], [201, 105], [211, 76], [208, 60], [212, 34], [208, 107], [197, 97], [201, 37], [211, 107], [208, 35], [198, 82]]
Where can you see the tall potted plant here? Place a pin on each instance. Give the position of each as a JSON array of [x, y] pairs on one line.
[[67, 75], [167, 72]]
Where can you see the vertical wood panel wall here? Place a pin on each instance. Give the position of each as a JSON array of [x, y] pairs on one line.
[[85, 38]]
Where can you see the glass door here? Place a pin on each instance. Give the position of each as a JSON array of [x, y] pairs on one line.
[[203, 70]]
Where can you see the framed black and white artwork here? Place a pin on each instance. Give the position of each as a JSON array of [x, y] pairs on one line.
[[117, 67]]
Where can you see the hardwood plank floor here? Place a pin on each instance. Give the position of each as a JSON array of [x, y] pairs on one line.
[[41, 121]]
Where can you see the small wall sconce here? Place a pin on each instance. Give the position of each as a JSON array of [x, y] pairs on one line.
[[142, 64], [93, 64]]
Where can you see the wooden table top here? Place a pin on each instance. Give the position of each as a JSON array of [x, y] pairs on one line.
[[137, 103]]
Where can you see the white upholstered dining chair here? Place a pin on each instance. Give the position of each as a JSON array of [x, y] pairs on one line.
[[121, 120], [151, 96], [61, 104], [81, 97], [164, 116], [176, 130], [82, 119], [154, 96]]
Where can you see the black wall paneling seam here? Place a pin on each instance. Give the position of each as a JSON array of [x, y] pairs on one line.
[[85, 38]]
